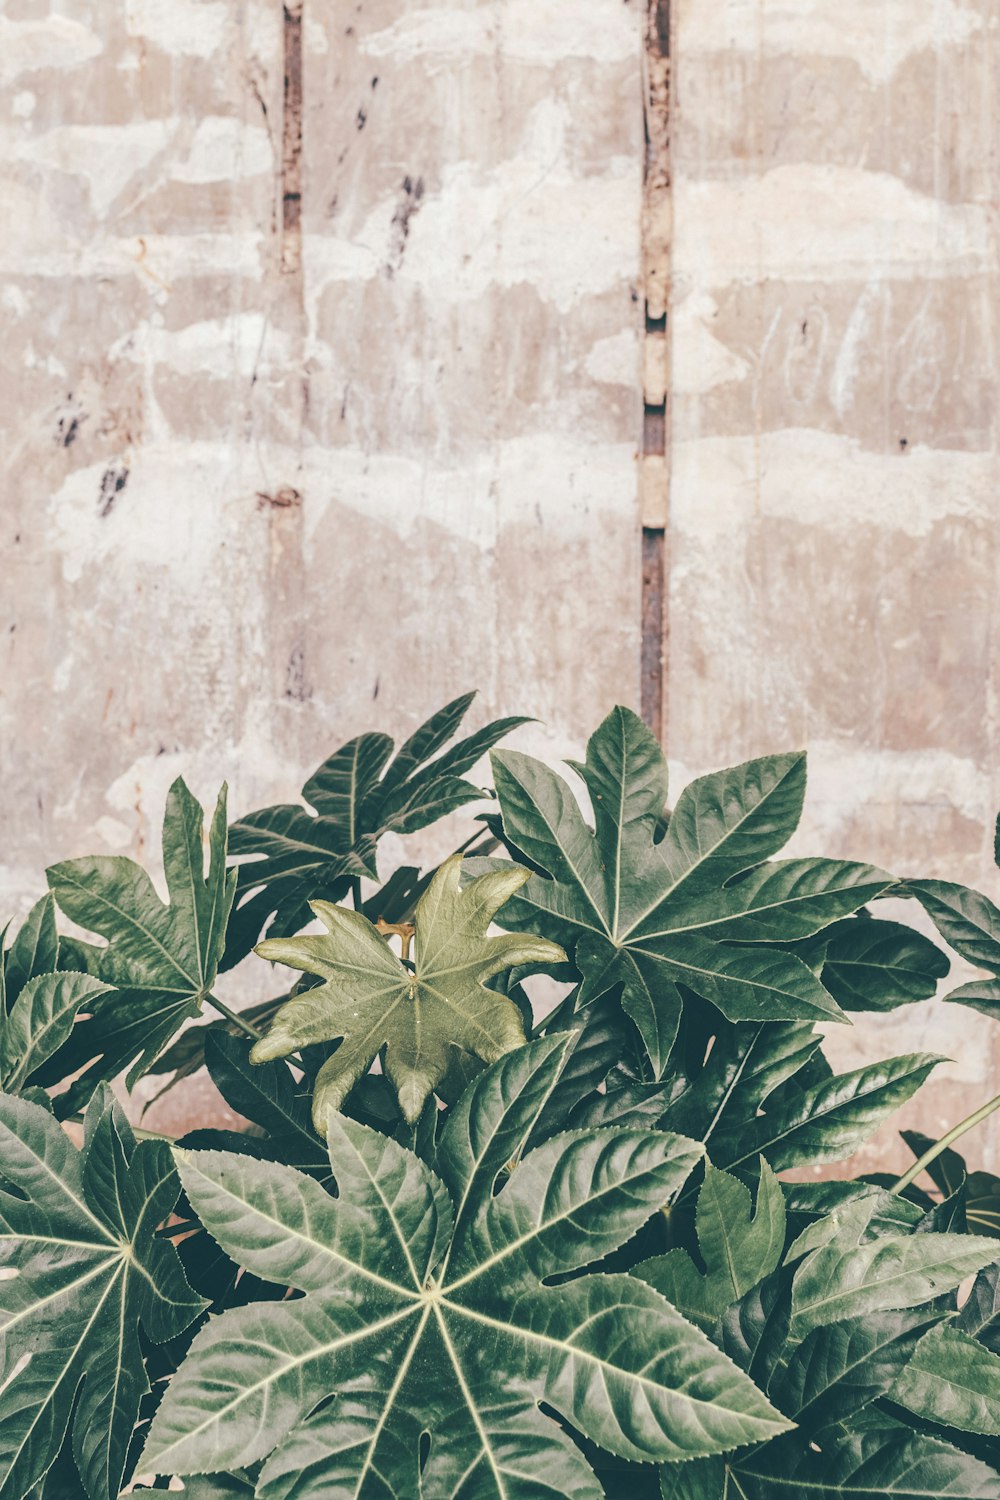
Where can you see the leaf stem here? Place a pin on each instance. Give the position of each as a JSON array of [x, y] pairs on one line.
[[954, 1134], [231, 1015], [356, 892]]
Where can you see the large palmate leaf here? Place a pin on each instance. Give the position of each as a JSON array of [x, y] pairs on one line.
[[658, 916], [425, 1017], [301, 854], [77, 1231], [161, 957], [426, 1313], [740, 1244]]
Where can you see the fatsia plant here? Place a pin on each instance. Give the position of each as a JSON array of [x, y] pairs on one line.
[[445, 1248], [410, 1270]]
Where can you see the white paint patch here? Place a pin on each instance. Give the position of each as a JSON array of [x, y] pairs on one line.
[[521, 30], [532, 220], [824, 479], [34, 237], [15, 301], [615, 360], [175, 512], [56, 42], [879, 35], [701, 362], [527, 478], [836, 223], [225, 149], [844, 778], [113, 833], [218, 348], [107, 157], [183, 28], [23, 104]]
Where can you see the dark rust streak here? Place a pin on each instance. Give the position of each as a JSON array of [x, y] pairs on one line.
[[656, 414], [291, 142], [654, 626]]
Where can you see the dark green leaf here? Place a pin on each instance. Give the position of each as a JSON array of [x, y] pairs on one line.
[[302, 854], [39, 1021], [952, 1380], [825, 1123], [883, 1462], [739, 1245], [842, 1367], [161, 958], [80, 1237], [875, 965], [966, 919], [34, 951]]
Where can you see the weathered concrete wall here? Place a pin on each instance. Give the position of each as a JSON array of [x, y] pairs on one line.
[[280, 468], [833, 547]]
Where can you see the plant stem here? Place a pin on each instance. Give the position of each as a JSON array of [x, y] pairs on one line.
[[954, 1134], [356, 892], [236, 1018]]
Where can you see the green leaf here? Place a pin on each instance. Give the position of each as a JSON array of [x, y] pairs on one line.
[[161, 957], [653, 916], [879, 1462], [267, 1095], [875, 965], [739, 1247], [980, 1313], [952, 1380], [851, 1278], [806, 1126], [966, 919], [39, 1021], [420, 1016], [842, 1367], [417, 1332], [34, 951], [301, 854], [746, 1065], [79, 1235]]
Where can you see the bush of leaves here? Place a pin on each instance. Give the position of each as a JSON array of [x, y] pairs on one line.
[[457, 1252]]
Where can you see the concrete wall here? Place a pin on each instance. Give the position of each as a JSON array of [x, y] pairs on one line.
[[322, 397]]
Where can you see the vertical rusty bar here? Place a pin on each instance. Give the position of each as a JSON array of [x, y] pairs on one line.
[[291, 142], [655, 477]]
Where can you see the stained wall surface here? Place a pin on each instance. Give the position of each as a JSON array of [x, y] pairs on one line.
[[834, 504], [322, 393], [312, 417]]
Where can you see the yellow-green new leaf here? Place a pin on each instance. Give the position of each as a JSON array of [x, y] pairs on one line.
[[423, 1016]]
